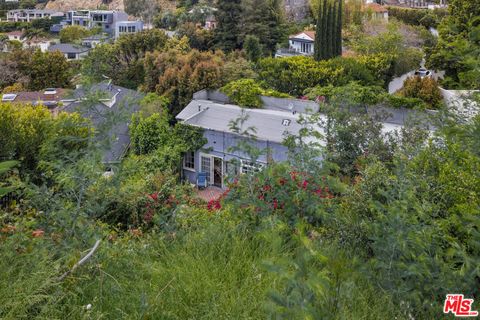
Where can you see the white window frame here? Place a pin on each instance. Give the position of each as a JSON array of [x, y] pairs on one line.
[[248, 166]]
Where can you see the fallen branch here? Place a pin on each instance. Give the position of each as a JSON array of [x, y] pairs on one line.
[[82, 261]]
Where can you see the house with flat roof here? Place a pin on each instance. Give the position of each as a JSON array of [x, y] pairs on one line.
[[28, 15], [70, 51]]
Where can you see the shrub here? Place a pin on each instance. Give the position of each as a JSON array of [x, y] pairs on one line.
[[247, 92], [294, 75], [416, 17], [397, 101], [354, 92], [425, 89]]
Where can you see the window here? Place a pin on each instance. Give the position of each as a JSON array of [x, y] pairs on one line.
[[306, 48], [206, 165], [249, 167], [71, 56], [189, 161]]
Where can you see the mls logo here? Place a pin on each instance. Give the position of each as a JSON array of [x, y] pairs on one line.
[[459, 306]]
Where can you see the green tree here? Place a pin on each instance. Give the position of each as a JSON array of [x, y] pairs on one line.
[[425, 89], [263, 19], [73, 34], [328, 33], [123, 61], [227, 34], [252, 48], [47, 70], [5, 167]]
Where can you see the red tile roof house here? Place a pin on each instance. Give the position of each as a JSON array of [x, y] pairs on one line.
[[375, 11], [299, 44]]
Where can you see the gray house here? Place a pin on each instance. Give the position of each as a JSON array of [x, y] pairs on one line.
[[219, 157], [70, 51], [110, 116]]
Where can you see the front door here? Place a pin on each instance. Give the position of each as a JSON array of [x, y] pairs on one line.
[[217, 172]]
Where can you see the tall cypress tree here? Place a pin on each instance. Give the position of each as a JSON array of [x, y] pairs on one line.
[[330, 29], [338, 35], [319, 39], [328, 37]]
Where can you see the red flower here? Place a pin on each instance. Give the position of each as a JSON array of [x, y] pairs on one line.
[[304, 184], [267, 188], [275, 204], [154, 196], [282, 181]]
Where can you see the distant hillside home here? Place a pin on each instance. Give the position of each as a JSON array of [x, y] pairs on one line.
[[28, 43], [70, 51], [37, 43], [15, 35], [375, 11], [302, 43], [114, 23], [27, 15], [210, 22]]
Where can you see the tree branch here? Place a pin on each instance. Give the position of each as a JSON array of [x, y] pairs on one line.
[[82, 261]]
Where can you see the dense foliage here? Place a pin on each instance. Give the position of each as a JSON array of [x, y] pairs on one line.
[[358, 223], [458, 49]]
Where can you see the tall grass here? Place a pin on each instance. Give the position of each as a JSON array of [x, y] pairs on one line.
[[213, 271]]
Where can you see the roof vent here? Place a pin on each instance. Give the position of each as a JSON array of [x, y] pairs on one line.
[[9, 97], [286, 122]]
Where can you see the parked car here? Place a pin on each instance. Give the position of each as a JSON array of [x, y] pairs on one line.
[[422, 72]]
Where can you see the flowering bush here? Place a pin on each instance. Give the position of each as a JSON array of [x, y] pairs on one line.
[[281, 190]]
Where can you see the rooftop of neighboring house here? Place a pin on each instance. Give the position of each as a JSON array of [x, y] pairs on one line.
[[68, 48], [38, 40], [304, 35], [116, 104], [49, 97], [375, 7], [111, 114]]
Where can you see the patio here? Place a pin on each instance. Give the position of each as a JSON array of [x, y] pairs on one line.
[[209, 193]]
